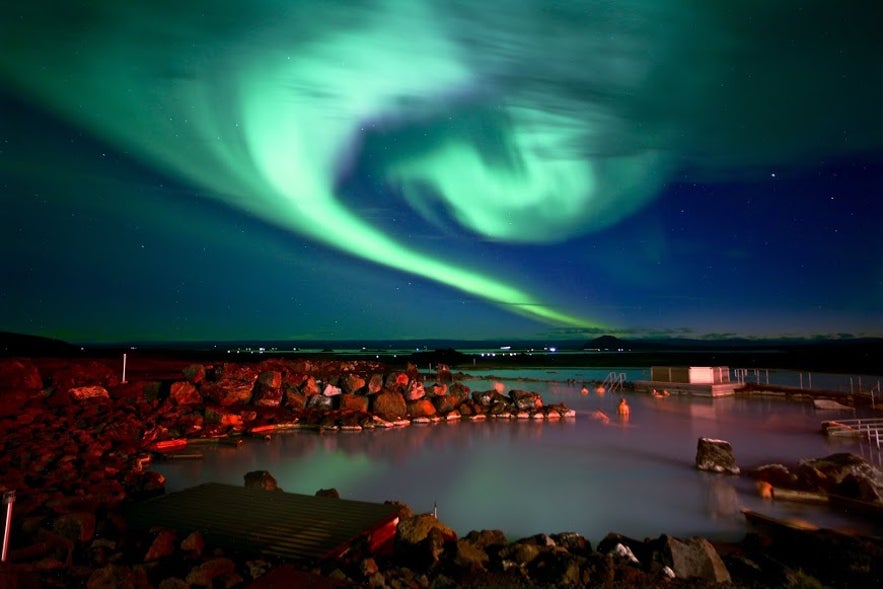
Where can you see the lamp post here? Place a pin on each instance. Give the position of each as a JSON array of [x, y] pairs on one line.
[[8, 500]]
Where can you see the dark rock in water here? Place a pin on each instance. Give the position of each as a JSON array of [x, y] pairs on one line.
[[778, 475], [526, 400], [859, 486], [827, 473], [261, 479], [332, 493], [715, 456]]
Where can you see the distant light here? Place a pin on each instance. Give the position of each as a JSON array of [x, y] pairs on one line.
[[553, 349]]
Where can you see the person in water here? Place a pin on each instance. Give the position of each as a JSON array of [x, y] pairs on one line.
[[623, 408]]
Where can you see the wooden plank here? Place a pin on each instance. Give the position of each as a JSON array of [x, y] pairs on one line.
[[289, 525]]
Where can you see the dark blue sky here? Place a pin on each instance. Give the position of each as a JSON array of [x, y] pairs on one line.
[[399, 170]]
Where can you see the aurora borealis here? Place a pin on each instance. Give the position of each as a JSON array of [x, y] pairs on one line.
[[402, 170]]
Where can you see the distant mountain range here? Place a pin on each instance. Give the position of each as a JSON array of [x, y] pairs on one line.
[[16, 343], [856, 355]]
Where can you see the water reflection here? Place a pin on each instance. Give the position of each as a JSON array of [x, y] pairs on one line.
[[632, 475]]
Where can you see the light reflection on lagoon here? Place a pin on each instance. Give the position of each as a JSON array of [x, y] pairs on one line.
[[636, 477]]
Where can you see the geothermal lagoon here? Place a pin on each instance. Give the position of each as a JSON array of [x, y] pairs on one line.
[[635, 476]]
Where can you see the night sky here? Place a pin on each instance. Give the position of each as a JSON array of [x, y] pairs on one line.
[[398, 169]]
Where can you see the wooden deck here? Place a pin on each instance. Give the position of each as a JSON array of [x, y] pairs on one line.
[[727, 389], [867, 428], [270, 523]]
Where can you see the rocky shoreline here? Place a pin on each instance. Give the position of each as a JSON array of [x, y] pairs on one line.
[[77, 445]]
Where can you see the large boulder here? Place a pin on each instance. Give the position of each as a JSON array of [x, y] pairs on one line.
[[90, 392], [778, 475], [81, 374], [320, 402], [228, 391], [389, 405], [415, 391], [375, 384], [421, 408], [294, 399], [18, 374], [694, 558], [184, 393], [715, 456], [526, 400], [261, 479], [270, 378], [827, 474], [350, 383], [349, 401], [194, 373], [422, 540], [309, 386], [266, 395]]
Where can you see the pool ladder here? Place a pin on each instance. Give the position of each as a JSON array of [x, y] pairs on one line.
[[614, 382]]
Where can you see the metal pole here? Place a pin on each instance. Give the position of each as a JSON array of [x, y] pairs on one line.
[[8, 500], [124, 369]]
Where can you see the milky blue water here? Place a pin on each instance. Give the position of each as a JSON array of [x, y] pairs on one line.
[[633, 476]]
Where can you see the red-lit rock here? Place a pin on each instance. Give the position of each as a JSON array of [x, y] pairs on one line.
[[228, 392], [309, 387], [90, 392], [375, 384], [526, 400], [349, 401], [414, 391], [207, 573], [421, 408], [163, 545], [194, 373], [267, 396], [118, 577], [184, 393], [389, 405], [270, 378], [351, 383], [294, 399], [193, 544], [77, 526], [19, 374]]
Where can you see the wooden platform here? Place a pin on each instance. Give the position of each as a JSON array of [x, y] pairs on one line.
[[726, 389], [270, 523]]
